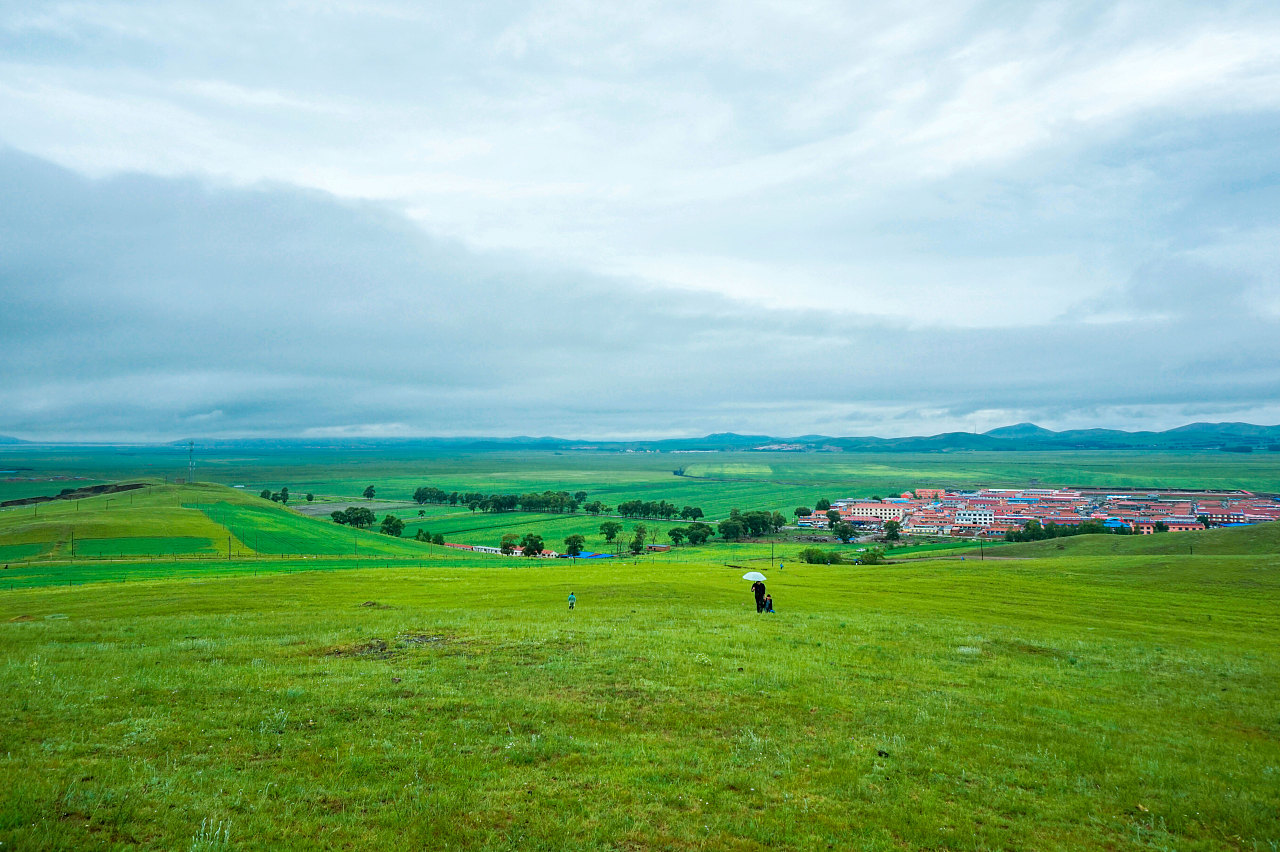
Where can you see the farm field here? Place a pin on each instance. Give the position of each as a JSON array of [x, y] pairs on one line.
[[1058, 703], [717, 482], [173, 520]]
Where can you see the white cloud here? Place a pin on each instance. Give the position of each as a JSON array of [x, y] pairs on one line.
[[901, 170]]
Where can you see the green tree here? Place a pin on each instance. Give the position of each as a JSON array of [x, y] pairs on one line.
[[422, 513], [610, 530], [580, 496], [803, 511], [844, 531], [508, 545], [833, 518], [699, 532], [391, 525], [731, 529], [438, 538], [573, 544], [310, 497], [1203, 520], [892, 530], [822, 505], [266, 494], [873, 556], [531, 544], [284, 494], [1160, 526], [422, 535], [369, 492], [677, 535]]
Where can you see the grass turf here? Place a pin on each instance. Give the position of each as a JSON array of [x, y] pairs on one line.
[[1064, 703]]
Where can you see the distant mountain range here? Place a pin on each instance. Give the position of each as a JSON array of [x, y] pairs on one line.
[[1238, 437], [1228, 437]]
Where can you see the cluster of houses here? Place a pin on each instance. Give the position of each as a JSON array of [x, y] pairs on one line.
[[991, 512]]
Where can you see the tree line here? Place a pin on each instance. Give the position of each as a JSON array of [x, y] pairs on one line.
[[658, 509], [546, 501], [753, 524], [554, 502], [281, 496], [1033, 530]]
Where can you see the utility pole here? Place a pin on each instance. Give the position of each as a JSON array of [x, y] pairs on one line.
[[191, 462]]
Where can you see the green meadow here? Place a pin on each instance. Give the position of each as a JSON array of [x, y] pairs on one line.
[[1060, 703], [717, 482], [194, 667]]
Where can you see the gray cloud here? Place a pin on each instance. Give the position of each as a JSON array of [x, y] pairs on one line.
[[385, 217], [169, 307]]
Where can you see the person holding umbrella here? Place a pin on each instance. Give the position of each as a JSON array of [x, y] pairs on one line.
[[757, 588]]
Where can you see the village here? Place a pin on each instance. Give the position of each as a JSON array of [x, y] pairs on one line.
[[993, 512]]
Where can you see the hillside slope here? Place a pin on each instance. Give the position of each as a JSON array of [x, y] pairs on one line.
[[1259, 539], [180, 520]]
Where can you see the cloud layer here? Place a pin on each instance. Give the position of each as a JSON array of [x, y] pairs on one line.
[[377, 218]]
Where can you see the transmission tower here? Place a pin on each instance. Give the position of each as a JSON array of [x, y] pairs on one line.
[[191, 462]]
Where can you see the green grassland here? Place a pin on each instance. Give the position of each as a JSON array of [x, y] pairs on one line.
[[1062, 703], [1115, 692], [716, 482], [1226, 541], [171, 520]]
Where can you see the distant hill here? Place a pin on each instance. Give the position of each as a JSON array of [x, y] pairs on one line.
[[1230, 437], [1021, 431], [5, 439]]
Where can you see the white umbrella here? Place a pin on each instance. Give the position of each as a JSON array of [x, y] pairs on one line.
[[754, 575]]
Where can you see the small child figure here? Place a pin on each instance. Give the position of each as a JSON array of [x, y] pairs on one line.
[[768, 603], [572, 600]]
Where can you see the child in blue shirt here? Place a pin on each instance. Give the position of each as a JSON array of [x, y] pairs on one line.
[[572, 600]]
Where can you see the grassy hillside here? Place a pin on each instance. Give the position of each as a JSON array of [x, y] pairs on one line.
[[1238, 541], [173, 520], [1067, 703]]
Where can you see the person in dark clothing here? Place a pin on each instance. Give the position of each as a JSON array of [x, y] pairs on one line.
[[757, 588], [768, 603]]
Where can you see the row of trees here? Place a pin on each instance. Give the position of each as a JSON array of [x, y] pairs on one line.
[[281, 496], [751, 524], [658, 509], [546, 501], [356, 516], [1033, 530], [817, 556], [424, 536], [530, 545]]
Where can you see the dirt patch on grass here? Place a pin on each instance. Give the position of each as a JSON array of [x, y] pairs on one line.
[[383, 649], [22, 618], [422, 639], [376, 605], [1026, 648], [376, 648]]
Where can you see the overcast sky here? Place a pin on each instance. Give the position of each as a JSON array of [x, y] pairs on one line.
[[385, 218]]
